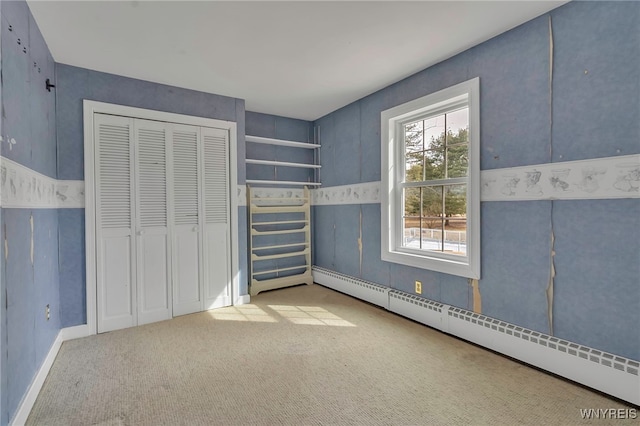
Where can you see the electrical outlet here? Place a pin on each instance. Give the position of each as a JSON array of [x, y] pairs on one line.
[[418, 287], [48, 312]]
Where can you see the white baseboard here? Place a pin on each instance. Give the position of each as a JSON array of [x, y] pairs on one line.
[[70, 333], [25, 406], [243, 299], [29, 398]]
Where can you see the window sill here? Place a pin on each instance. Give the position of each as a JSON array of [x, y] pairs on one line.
[[463, 268]]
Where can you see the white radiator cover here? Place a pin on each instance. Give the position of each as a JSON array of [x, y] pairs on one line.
[[608, 373], [364, 290]]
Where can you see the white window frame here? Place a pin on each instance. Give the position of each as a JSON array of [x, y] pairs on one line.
[[392, 141]]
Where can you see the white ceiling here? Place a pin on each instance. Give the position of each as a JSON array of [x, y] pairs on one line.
[[298, 59]]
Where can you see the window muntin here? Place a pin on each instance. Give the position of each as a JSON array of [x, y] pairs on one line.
[[430, 181]]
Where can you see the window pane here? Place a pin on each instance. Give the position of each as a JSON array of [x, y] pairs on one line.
[[411, 220], [455, 200], [434, 165], [455, 223], [458, 126], [432, 218], [414, 170], [455, 236], [432, 201], [458, 161], [412, 202], [434, 133], [413, 137]]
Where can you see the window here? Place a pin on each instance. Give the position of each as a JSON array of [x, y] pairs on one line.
[[431, 181]]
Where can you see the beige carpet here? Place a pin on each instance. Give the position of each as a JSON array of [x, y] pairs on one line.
[[300, 356]]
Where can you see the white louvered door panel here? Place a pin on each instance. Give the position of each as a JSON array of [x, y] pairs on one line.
[[152, 236], [217, 250], [115, 246], [187, 291]]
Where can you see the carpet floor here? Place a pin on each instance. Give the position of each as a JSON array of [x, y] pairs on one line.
[[305, 355]]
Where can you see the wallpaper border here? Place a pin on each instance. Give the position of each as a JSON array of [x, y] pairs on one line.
[[23, 188], [598, 178]]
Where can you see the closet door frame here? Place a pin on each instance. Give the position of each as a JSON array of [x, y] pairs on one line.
[[89, 109]]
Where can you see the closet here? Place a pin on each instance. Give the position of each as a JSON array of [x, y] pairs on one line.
[[162, 220]]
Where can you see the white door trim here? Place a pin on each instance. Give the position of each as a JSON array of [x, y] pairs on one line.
[[92, 107]]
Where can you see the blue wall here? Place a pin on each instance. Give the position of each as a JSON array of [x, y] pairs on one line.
[[595, 109], [30, 269], [75, 84], [3, 285]]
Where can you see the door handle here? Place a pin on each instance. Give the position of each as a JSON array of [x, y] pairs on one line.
[[141, 232], [195, 229]]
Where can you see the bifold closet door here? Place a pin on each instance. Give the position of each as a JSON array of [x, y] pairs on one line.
[[162, 220], [217, 247], [153, 245], [132, 239], [187, 291], [115, 244], [202, 250]]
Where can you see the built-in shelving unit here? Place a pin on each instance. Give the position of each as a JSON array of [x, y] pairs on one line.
[[280, 241], [278, 201], [315, 166]]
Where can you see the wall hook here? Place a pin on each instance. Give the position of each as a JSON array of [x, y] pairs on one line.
[[49, 85]]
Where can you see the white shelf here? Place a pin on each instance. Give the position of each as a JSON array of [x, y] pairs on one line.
[[281, 182], [275, 271], [287, 222], [279, 232], [283, 164], [299, 208], [288, 199], [256, 257], [279, 246], [281, 142], [274, 283]]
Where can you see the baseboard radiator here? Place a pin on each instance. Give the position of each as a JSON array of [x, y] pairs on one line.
[[608, 373]]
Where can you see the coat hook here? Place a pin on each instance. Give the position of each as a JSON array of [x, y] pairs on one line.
[[49, 85]]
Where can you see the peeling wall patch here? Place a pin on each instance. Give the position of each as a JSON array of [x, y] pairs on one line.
[[6, 244], [31, 250], [477, 297], [360, 242], [550, 289], [10, 141]]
